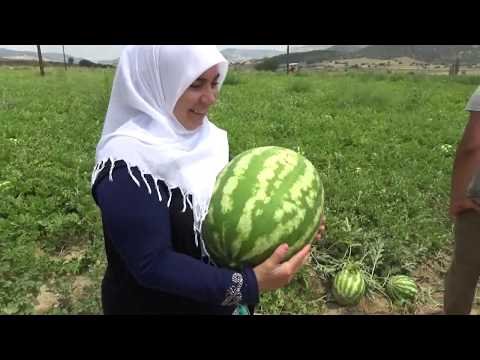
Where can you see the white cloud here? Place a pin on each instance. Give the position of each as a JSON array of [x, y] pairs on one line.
[[110, 52]]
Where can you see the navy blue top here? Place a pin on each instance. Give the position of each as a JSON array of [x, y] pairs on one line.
[[153, 263]]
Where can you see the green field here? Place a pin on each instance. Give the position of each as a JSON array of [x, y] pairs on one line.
[[383, 143]]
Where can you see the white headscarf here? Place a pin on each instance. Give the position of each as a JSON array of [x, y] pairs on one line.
[[141, 129]]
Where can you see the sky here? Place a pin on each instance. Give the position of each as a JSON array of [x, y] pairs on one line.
[[110, 52]]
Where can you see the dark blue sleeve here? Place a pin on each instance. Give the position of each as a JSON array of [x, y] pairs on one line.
[[139, 227]]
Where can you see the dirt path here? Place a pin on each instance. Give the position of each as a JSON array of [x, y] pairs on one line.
[[429, 277]]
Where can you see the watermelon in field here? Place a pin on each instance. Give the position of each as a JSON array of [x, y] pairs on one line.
[[263, 198], [401, 289], [349, 285]]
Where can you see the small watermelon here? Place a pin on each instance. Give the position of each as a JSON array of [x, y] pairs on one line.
[[401, 289], [349, 285], [263, 198]]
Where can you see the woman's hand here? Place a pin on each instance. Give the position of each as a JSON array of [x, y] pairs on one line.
[[274, 274]]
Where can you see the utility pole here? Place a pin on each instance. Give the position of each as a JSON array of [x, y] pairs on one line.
[[64, 60], [40, 60], [457, 65], [288, 53]]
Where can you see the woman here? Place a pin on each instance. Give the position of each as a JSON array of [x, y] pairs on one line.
[[157, 161]]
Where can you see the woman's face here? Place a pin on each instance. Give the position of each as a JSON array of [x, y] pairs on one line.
[[193, 105]]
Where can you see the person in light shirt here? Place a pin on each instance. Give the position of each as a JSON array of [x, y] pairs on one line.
[[464, 272]]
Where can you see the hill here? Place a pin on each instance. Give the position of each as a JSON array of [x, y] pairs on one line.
[[309, 57], [347, 49], [435, 54], [468, 54]]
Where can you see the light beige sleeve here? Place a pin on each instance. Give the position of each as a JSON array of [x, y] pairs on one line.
[[474, 102]]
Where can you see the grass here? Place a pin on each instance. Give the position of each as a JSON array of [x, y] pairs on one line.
[[383, 143]]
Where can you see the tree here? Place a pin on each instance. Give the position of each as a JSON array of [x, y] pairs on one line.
[[288, 64], [70, 61], [457, 66], [64, 61], [267, 65], [86, 63]]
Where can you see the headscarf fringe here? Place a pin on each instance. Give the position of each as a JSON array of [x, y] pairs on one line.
[[110, 175], [146, 183], [158, 190], [200, 211], [132, 176]]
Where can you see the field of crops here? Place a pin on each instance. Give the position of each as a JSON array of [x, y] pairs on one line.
[[383, 143]]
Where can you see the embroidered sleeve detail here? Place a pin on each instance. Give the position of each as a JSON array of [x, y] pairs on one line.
[[234, 294]]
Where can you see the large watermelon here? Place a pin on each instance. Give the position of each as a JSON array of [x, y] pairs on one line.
[[349, 285], [401, 289], [263, 198]]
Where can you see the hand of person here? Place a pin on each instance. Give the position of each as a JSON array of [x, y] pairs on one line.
[[274, 274], [461, 205]]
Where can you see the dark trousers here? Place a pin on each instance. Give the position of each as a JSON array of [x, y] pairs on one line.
[[464, 272]]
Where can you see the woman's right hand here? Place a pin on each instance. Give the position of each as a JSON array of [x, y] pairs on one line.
[[274, 274]]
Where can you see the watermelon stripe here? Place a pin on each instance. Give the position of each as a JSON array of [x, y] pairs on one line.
[[232, 182], [262, 240], [356, 286], [211, 228], [311, 231], [402, 289], [248, 189], [348, 287], [316, 191], [300, 190], [291, 230], [266, 176], [237, 172]]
